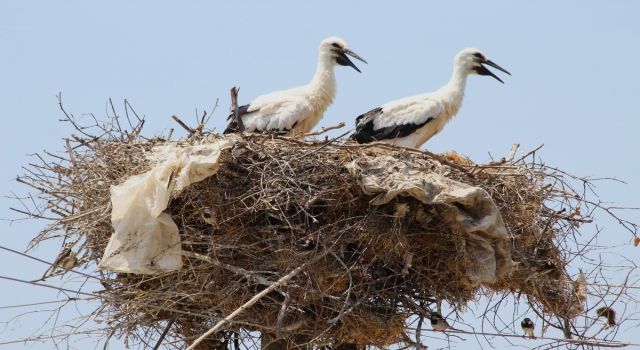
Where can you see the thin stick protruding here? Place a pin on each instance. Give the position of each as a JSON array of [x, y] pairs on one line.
[[235, 109], [252, 301]]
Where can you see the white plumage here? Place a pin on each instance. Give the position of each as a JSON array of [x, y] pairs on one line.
[[299, 109], [411, 121]]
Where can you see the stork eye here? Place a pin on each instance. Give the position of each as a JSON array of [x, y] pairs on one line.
[[478, 55], [336, 45]]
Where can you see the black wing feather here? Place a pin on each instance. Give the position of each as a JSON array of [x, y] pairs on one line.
[[233, 125], [366, 133]]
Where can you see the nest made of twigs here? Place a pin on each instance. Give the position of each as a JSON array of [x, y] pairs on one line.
[[277, 203]]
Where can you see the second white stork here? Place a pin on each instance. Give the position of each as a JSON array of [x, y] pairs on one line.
[[298, 110], [411, 121]]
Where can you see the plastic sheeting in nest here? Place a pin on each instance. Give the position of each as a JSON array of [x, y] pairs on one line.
[[472, 210], [145, 238]]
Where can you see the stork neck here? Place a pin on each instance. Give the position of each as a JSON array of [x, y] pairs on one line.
[[324, 80], [457, 84], [458, 79]]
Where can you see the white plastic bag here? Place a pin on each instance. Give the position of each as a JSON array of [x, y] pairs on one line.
[[473, 210], [145, 239]]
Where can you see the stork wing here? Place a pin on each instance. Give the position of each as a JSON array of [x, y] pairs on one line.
[[232, 125], [279, 110], [242, 110], [395, 119]]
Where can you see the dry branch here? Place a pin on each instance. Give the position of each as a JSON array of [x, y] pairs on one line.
[[284, 279], [234, 109], [287, 210]]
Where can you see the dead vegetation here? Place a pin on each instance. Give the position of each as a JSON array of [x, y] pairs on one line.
[[279, 203]]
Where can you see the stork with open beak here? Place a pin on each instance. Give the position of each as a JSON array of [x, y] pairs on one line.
[[411, 121], [298, 110]]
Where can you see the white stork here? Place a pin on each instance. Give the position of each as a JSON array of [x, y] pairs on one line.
[[411, 121], [299, 109]]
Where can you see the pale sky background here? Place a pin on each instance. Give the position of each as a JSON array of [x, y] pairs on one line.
[[574, 88]]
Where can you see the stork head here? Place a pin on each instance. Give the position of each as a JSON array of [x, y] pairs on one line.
[[472, 61], [336, 51]]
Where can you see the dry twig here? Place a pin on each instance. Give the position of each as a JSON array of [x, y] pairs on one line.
[[281, 203]]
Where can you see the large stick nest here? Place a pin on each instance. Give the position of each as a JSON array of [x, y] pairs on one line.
[[277, 203]]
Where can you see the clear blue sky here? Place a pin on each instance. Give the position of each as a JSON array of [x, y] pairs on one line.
[[574, 85]]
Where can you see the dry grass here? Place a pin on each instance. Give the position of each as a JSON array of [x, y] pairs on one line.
[[277, 203]]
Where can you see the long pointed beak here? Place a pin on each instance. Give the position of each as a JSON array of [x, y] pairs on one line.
[[482, 70], [494, 65], [345, 61], [354, 55]]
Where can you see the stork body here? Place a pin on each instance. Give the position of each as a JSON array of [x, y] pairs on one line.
[[299, 109], [411, 121]]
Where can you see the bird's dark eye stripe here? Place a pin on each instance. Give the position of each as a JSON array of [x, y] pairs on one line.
[[478, 55], [336, 45]]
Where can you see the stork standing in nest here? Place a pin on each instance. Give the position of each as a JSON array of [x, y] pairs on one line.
[[298, 110], [411, 121]]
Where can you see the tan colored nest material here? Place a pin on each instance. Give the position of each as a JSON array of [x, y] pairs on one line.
[[278, 203]]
